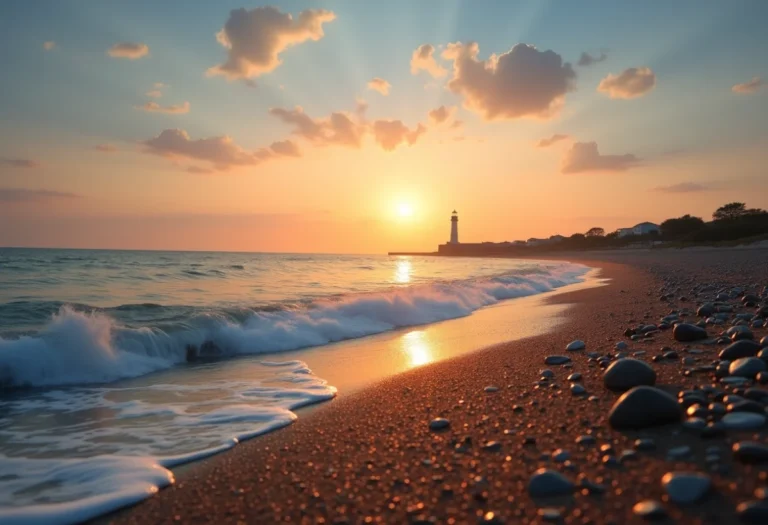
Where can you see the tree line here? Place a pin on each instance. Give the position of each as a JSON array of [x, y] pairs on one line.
[[730, 222]]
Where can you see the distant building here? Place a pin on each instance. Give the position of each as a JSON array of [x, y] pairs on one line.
[[644, 228], [557, 238]]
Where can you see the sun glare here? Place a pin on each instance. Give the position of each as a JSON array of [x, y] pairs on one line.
[[404, 210]]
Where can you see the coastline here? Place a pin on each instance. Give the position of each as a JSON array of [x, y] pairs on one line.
[[371, 454]]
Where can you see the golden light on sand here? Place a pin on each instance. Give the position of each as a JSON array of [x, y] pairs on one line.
[[417, 347]]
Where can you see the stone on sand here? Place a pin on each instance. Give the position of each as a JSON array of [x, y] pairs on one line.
[[627, 373], [644, 406]]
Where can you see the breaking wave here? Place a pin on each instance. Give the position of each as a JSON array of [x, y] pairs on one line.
[[81, 345]]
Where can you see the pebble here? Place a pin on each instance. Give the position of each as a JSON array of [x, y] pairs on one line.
[[743, 421], [576, 376], [753, 511], [491, 389], [547, 373], [556, 359], [644, 406], [750, 452], [546, 482], [621, 346], [649, 509], [645, 444], [550, 514], [578, 390], [739, 349], [585, 440], [747, 367], [680, 452], [578, 344], [560, 455], [685, 332], [686, 487], [439, 424], [627, 373]]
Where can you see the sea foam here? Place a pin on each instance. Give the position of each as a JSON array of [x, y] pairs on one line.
[[81, 347]]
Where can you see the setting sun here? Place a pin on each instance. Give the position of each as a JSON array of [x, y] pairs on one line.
[[404, 210]]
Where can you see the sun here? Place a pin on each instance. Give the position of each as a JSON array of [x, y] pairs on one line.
[[404, 210]]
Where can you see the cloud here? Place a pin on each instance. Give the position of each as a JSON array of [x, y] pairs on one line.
[[338, 128], [523, 82], [753, 86], [286, 148], [159, 85], [683, 187], [442, 114], [545, 143], [198, 170], [586, 59], [173, 109], [221, 152], [389, 134], [254, 39], [583, 157], [129, 50], [155, 93], [19, 163], [423, 58], [13, 195], [105, 148], [630, 83], [380, 85], [49, 45]]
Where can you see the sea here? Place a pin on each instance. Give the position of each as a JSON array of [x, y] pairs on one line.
[[116, 367]]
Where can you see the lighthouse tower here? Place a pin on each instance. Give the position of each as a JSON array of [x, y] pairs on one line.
[[454, 228]]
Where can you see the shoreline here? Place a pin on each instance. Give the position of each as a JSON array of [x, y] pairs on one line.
[[374, 446]]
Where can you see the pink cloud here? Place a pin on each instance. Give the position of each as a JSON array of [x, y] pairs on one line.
[[584, 157], [423, 59], [129, 50], [442, 114], [380, 85], [173, 109], [255, 38], [753, 86], [630, 83], [19, 163], [523, 82], [105, 148], [339, 128], [221, 152], [389, 134], [545, 143]]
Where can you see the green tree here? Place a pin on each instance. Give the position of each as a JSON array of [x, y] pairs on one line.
[[595, 232]]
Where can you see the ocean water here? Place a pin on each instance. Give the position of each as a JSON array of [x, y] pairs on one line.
[[116, 366]]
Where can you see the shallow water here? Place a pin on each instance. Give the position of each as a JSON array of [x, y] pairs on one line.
[[94, 348]]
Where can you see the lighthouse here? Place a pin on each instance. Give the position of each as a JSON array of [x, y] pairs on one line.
[[454, 228]]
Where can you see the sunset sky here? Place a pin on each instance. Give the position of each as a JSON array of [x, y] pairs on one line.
[[358, 126]]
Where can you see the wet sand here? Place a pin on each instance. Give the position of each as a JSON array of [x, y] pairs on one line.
[[371, 458]]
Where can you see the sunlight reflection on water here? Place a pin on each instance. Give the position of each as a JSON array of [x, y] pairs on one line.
[[418, 348]]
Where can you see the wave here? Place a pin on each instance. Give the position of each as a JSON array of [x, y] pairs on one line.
[[78, 347]]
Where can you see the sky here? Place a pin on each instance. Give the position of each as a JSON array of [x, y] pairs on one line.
[[358, 127]]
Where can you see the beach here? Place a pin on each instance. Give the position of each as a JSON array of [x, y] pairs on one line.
[[372, 457]]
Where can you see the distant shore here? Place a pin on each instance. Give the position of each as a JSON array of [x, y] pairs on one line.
[[371, 457]]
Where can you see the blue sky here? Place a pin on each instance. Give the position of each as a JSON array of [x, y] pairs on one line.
[[57, 102]]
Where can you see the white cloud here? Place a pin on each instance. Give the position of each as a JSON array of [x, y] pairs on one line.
[[129, 50], [255, 38], [523, 82], [630, 83], [584, 157], [173, 109], [423, 58], [380, 85], [753, 86]]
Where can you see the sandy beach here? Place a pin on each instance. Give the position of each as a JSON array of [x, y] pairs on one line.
[[371, 457]]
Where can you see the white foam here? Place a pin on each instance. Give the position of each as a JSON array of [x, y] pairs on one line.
[[79, 348]]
